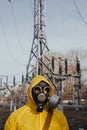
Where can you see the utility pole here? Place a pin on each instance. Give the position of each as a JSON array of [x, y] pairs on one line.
[[39, 44], [77, 85]]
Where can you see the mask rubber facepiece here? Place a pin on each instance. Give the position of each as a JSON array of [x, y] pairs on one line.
[[40, 95]]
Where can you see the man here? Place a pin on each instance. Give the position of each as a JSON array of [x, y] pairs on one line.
[[40, 113]]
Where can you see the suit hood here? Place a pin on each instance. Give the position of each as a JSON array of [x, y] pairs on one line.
[[36, 80]]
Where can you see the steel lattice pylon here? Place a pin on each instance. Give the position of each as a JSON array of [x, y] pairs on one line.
[[39, 44]]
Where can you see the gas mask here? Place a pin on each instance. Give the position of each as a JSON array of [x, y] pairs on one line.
[[41, 97]]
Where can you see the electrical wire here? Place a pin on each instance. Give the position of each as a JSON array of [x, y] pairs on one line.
[[15, 25], [30, 3], [6, 42], [79, 12]]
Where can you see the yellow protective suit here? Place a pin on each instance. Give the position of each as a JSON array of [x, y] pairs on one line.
[[27, 118]]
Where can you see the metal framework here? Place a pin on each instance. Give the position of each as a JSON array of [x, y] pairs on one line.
[[39, 44], [37, 64]]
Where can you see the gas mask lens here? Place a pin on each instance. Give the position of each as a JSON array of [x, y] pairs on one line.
[[41, 92], [39, 88], [46, 90]]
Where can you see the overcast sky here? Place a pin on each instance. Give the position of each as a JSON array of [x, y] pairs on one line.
[[66, 28]]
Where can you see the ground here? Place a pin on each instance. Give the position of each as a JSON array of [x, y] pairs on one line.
[[77, 118]]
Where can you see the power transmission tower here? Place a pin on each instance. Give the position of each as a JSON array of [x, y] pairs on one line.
[[39, 44]]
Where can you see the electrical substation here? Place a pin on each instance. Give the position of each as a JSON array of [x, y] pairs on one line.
[[64, 73]]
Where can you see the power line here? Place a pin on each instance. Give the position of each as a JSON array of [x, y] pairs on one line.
[[9, 1], [15, 25], [31, 7], [79, 12], [6, 42]]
